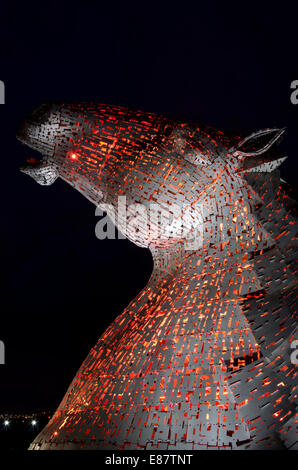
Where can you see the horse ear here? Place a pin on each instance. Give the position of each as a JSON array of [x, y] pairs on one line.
[[257, 143]]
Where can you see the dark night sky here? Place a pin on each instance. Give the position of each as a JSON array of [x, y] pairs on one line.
[[224, 65]]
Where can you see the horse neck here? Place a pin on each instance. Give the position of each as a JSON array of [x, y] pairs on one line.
[[230, 236]]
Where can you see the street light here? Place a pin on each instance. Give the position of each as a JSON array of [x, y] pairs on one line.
[[6, 423], [34, 422]]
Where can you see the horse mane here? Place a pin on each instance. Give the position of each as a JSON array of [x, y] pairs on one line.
[[271, 313]]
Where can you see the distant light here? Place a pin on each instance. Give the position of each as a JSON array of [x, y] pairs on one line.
[[34, 422], [6, 422], [74, 156]]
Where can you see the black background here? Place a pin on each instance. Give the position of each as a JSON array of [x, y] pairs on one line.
[[226, 64]]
